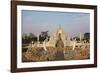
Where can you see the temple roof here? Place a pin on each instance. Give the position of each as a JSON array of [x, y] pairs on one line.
[[60, 30]]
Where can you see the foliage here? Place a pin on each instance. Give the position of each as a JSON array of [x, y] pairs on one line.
[[44, 35], [87, 37], [31, 37]]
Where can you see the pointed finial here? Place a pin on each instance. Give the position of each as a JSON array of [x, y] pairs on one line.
[[59, 26]]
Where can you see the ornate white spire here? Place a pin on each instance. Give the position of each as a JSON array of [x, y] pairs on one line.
[[59, 26], [60, 30]]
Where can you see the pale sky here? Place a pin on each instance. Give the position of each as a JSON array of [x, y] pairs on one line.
[[73, 23]]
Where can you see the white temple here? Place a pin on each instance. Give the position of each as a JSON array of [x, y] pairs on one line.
[[59, 47], [55, 37], [65, 38]]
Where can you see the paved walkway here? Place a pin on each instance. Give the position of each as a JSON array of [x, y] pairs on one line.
[[59, 55]]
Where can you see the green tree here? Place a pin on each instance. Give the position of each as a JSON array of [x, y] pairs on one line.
[[43, 36], [87, 37], [29, 38]]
